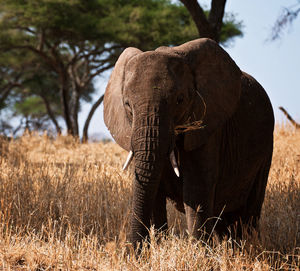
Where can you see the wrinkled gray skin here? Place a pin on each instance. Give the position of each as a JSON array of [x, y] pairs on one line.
[[151, 99]]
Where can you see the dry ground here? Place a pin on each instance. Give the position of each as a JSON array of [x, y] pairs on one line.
[[65, 206]]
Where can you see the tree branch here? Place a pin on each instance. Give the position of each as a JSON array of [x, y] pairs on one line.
[[287, 16], [289, 117], [89, 117], [99, 71], [5, 91], [5, 94], [211, 27], [216, 17], [98, 52], [51, 114], [18, 127]]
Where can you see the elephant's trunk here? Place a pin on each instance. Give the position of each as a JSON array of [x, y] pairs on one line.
[[150, 144]]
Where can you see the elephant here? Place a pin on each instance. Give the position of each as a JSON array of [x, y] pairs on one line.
[[201, 134]]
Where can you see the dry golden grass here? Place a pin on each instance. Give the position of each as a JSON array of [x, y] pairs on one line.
[[65, 206]]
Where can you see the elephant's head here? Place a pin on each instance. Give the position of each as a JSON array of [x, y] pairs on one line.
[[152, 96]]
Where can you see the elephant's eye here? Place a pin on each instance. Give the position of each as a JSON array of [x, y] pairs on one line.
[[180, 98], [128, 108]]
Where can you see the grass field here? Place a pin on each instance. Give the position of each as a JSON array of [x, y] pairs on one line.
[[66, 206]]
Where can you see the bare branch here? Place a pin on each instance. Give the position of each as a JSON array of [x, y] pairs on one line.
[[7, 88], [99, 71], [51, 114], [289, 117], [95, 53], [5, 92], [286, 18], [26, 29], [216, 17], [88, 120], [76, 55]]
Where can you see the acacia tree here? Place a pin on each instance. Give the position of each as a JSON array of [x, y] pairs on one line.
[[37, 101], [78, 40], [50, 29], [24, 79]]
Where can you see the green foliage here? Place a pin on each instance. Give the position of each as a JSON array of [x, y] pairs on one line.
[[151, 24], [44, 85], [33, 112], [28, 75], [78, 39], [60, 46], [231, 28], [147, 23], [32, 107]]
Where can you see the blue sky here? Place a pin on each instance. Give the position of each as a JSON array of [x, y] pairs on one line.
[[276, 65]]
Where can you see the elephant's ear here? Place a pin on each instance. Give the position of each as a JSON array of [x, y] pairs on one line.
[[115, 116], [217, 85]]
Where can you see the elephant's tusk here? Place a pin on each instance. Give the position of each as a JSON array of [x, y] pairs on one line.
[[174, 163], [128, 160]]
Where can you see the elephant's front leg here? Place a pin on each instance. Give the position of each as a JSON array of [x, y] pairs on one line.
[[159, 214], [198, 210], [199, 183]]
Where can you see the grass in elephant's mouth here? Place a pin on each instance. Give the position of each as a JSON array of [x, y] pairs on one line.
[[190, 126], [66, 206]]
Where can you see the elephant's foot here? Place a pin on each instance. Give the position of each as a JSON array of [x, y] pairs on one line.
[[236, 225], [198, 225]]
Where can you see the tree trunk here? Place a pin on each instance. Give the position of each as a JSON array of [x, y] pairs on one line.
[[27, 126], [89, 117], [64, 101], [216, 18], [18, 127], [51, 114], [74, 104], [199, 18], [211, 27]]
